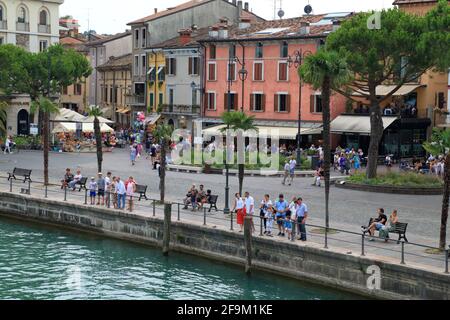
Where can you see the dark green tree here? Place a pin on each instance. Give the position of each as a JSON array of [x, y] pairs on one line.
[[163, 134]]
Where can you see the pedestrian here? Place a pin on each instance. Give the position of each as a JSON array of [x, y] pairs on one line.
[[356, 162], [133, 153], [239, 208], [263, 213], [101, 186], [8, 143], [121, 193], [388, 162], [108, 184], [301, 214], [92, 190], [114, 192], [292, 166], [288, 225], [287, 169], [130, 190], [280, 208], [250, 208], [268, 215]]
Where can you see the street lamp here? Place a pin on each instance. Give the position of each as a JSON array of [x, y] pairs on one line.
[[296, 60]]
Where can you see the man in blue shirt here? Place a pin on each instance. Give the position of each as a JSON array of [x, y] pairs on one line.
[[280, 208], [301, 212]]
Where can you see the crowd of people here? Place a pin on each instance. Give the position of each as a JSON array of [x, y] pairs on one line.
[[382, 224]]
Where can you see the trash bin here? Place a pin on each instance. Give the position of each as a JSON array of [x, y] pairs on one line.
[[314, 162]]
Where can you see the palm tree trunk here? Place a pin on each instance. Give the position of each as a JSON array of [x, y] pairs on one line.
[[162, 177], [241, 168], [376, 133], [445, 203], [98, 139], [326, 92], [45, 129]]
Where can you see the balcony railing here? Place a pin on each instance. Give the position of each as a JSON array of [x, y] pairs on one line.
[[43, 28], [135, 100], [23, 26], [3, 25], [187, 110]]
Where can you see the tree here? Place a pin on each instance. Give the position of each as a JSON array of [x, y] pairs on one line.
[[404, 48], [440, 145], [47, 108], [238, 120], [3, 118], [95, 111], [326, 70], [163, 134]]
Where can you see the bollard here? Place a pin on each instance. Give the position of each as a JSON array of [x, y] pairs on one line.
[[29, 187], [178, 212], [108, 200], [362, 245], [154, 208], [446, 260], [65, 193], [85, 196], [293, 230], [248, 243], [403, 252], [204, 216], [231, 215], [10, 185], [46, 191], [130, 207], [166, 232], [261, 227], [326, 238]]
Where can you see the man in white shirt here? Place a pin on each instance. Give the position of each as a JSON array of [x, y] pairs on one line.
[[287, 169], [76, 179], [250, 207], [121, 191], [7, 145], [292, 165]]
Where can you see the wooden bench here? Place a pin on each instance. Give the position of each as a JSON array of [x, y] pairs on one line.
[[81, 183], [213, 202], [142, 190], [400, 229], [26, 173]]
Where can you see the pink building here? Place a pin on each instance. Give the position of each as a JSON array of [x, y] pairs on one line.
[[271, 91]]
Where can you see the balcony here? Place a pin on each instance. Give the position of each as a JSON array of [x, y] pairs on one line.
[[43, 28], [135, 100], [23, 26], [3, 25], [182, 110]]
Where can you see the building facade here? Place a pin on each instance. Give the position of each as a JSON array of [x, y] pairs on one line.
[[34, 26]]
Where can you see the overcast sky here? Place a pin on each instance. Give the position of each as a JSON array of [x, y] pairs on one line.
[[111, 16]]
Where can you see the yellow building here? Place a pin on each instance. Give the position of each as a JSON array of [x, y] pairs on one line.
[[432, 96], [156, 79]]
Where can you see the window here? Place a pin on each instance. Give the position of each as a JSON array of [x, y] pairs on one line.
[[171, 64], [22, 17], [77, 89], [259, 51], [231, 71], [212, 51], [257, 101], [1, 40], [258, 71], [161, 99], [110, 94], [171, 97], [152, 99], [64, 90], [194, 66], [136, 38], [316, 103], [43, 18], [161, 73], [282, 71], [284, 50], [136, 66], [144, 63], [116, 94], [2, 13], [233, 101], [232, 51], [152, 74], [211, 101], [144, 38], [43, 44], [105, 94], [212, 75], [282, 102]]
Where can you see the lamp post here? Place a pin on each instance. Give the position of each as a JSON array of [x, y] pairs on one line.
[[296, 60], [226, 210], [243, 74]]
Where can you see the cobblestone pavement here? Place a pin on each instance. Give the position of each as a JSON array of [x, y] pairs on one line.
[[348, 210]]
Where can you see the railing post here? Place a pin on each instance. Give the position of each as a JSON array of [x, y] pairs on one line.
[[261, 226], [108, 199], [294, 229], [85, 196], [130, 204], [178, 218], [154, 208], [166, 232], [362, 245], [204, 216], [10, 185], [65, 193], [403, 252], [46, 192], [326, 238], [248, 243], [231, 215], [446, 260], [29, 187]]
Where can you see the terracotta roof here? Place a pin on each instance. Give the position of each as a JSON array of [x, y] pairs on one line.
[[70, 40], [197, 35], [114, 63], [109, 38], [402, 2], [182, 7], [74, 43]]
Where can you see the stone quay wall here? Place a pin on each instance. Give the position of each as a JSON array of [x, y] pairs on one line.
[[356, 274]]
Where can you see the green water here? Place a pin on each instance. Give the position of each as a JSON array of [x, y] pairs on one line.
[[45, 263]]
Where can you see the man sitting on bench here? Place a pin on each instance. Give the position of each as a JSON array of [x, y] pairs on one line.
[[377, 223], [76, 179], [68, 177]]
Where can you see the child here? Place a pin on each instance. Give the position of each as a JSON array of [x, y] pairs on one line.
[[288, 225], [93, 190]]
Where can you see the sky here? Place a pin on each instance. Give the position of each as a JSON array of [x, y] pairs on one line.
[[112, 16]]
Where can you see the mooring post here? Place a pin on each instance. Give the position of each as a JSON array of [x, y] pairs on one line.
[[362, 245], [65, 193], [403, 252], [231, 215], [10, 185], [154, 208], [29, 187], [85, 195], [46, 191], [204, 216], [178, 217], [447, 255], [166, 232], [248, 243]]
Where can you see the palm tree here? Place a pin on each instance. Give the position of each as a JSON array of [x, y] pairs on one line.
[[95, 111], [3, 118], [440, 145], [238, 120], [163, 134], [326, 70], [47, 108]]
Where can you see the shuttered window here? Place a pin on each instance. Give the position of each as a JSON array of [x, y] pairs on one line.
[[258, 71], [282, 71], [171, 64], [212, 72], [257, 101], [282, 103]]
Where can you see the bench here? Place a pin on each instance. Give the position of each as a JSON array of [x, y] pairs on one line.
[[142, 190], [213, 202], [82, 183], [400, 229], [26, 173]]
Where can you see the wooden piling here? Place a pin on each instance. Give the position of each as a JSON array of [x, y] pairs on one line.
[[248, 244], [166, 232]]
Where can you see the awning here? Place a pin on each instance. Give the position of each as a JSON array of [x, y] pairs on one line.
[[384, 90], [159, 70], [356, 124], [152, 119], [123, 110], [70, 115], [107, 112], [288, 133], [100, 119], [151, 70], [86, 127]]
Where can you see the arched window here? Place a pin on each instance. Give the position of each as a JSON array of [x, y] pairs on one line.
[[43, 18], [1, 13], [22, 17]]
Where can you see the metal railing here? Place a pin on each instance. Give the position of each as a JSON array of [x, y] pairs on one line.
[[22, 26], [134, 100], [181, 109], [201, 215], [3, 25], [43, 28]]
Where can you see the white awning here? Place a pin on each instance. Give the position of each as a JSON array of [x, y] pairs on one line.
[[151, 70], [356, 124], [86, 127], [68, 115], [384, 90], [159, 70], [289, 133], [152, 119]]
